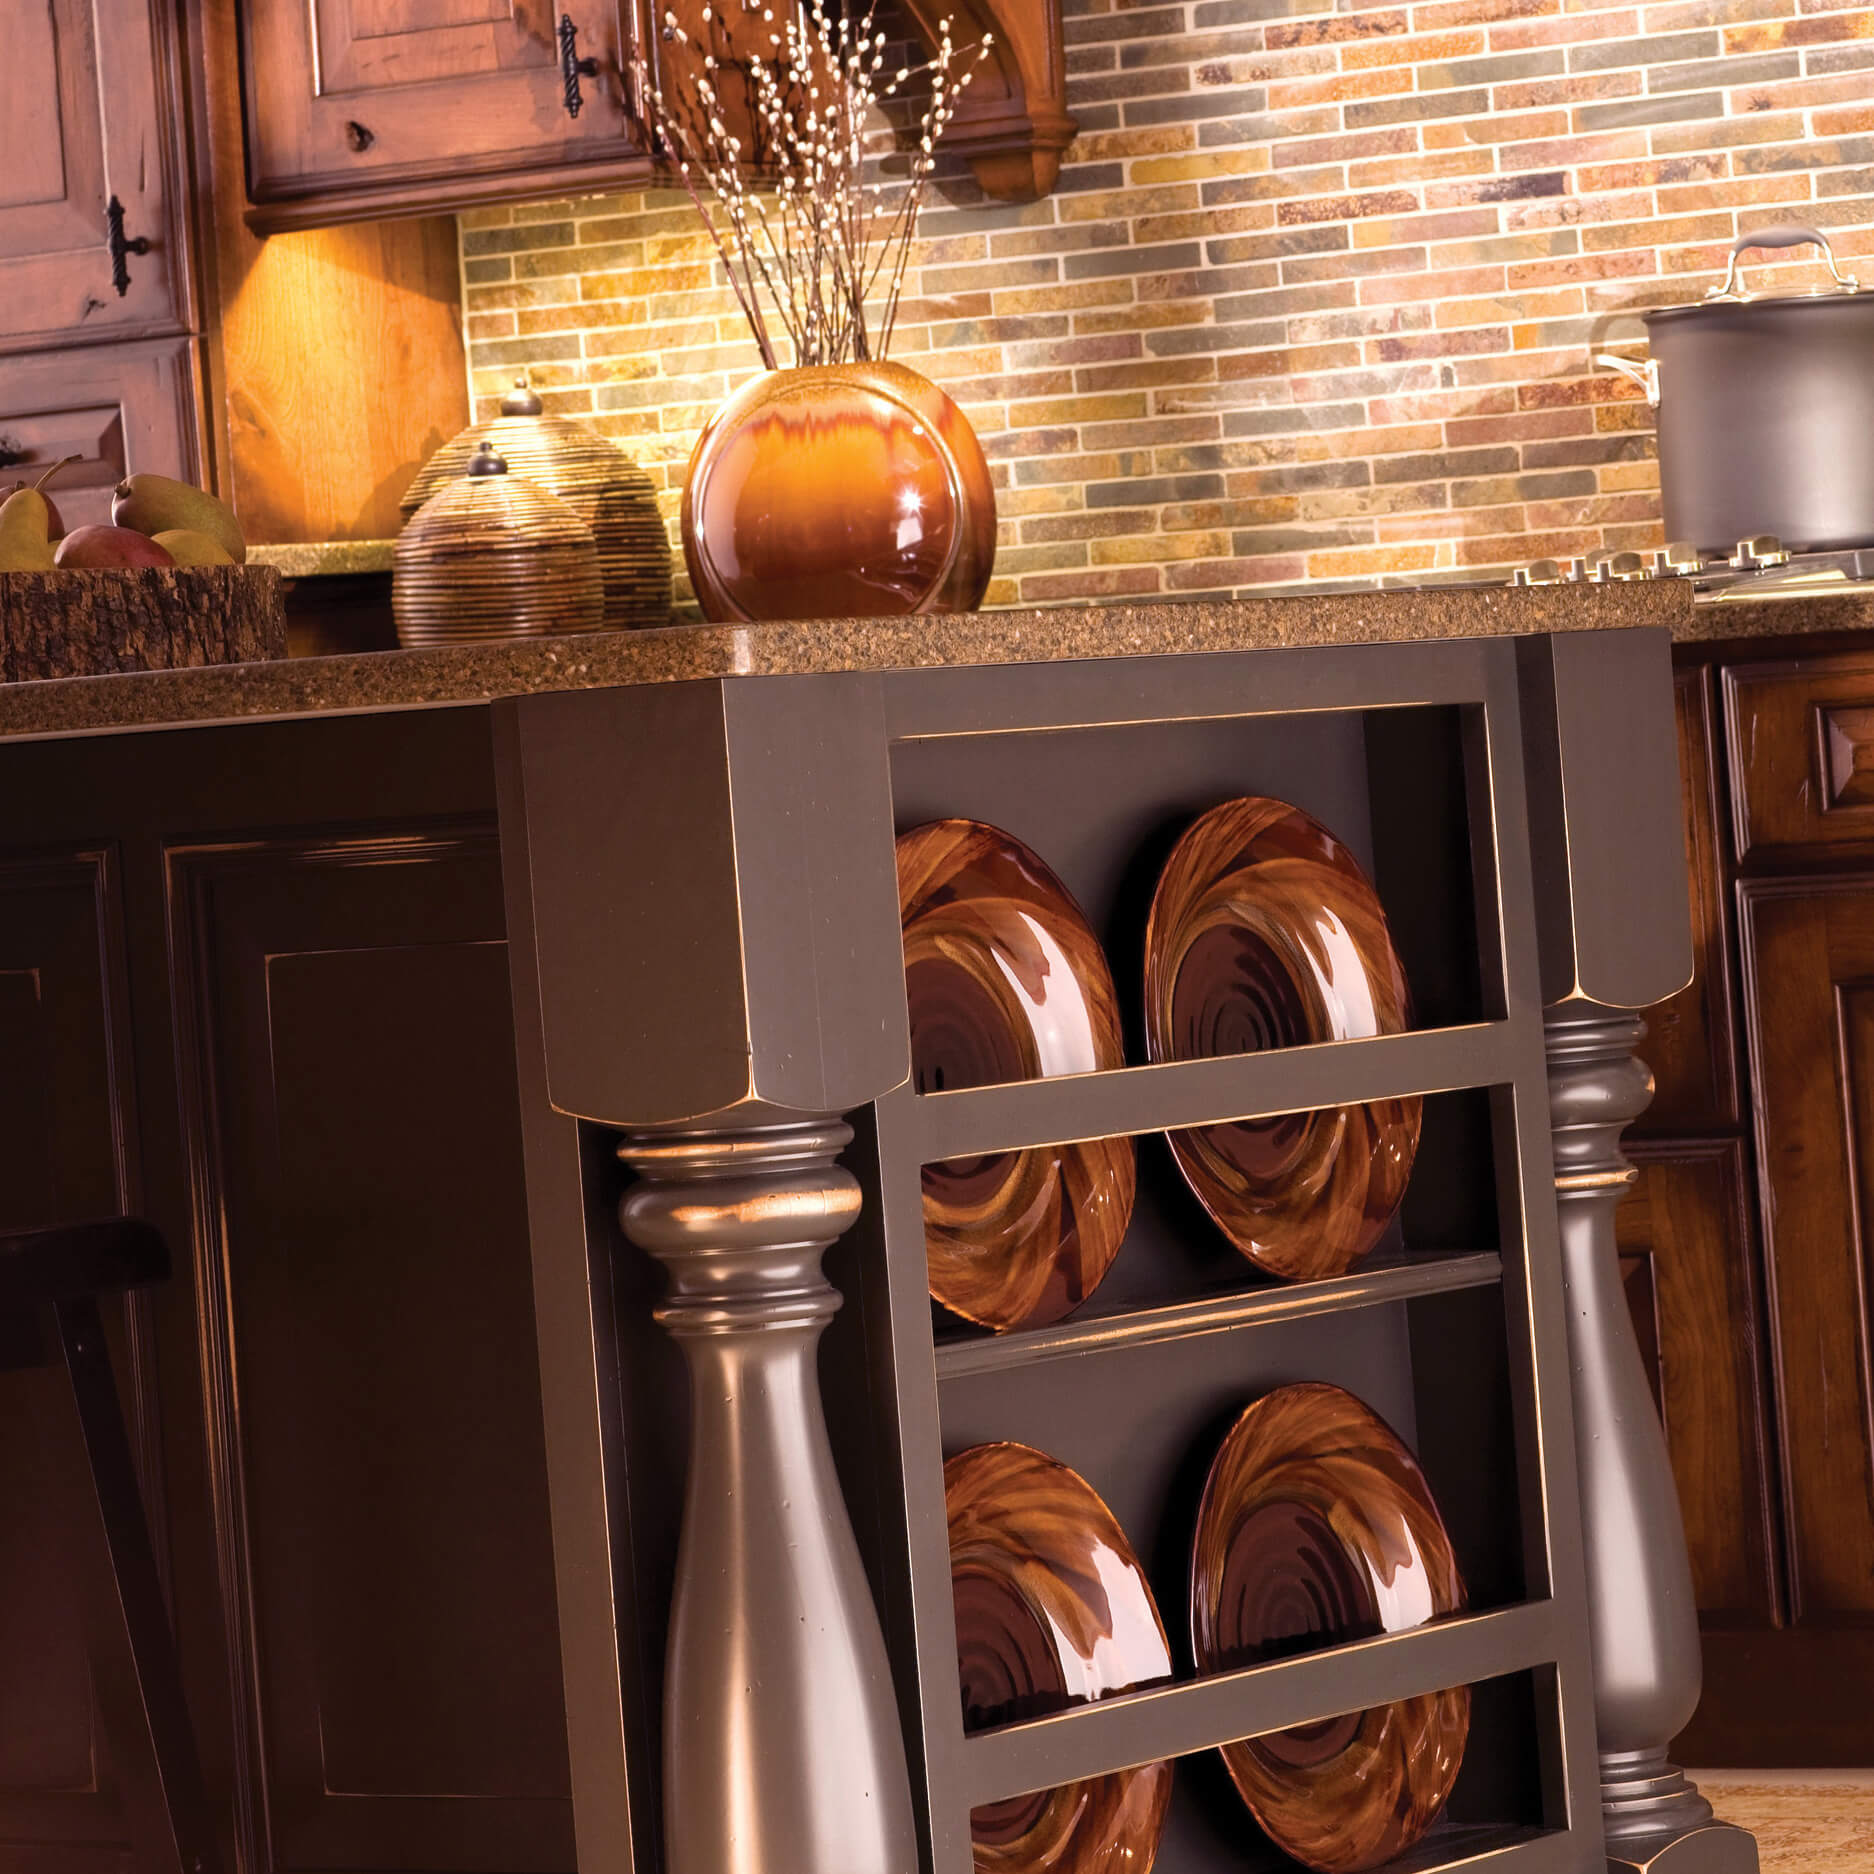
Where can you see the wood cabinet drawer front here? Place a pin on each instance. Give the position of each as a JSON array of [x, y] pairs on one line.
[[1802, 755]]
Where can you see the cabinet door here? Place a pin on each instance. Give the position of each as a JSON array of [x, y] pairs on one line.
[[363, 108], [1687, 1261], [371, 1379], [120, 409], [87, 111], [1688, 1042], [1809, 962], [64, 1111]]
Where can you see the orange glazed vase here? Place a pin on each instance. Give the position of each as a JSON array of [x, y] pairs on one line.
[[838, 491]]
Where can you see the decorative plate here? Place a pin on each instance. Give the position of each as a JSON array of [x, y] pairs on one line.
[[1052, 1609], [1265, 933], [1317, 1526], [1006, 981]]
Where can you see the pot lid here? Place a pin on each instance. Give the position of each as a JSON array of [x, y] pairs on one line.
[[1733, 292]]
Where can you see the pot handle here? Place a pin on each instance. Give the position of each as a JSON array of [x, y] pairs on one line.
[[1789, 236], [1646, 375]]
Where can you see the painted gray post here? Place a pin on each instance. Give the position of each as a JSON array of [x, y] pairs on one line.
[[1643, 1619], [782, 1747]]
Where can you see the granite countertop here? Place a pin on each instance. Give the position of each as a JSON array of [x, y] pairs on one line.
[[477, 673], [318, 559]]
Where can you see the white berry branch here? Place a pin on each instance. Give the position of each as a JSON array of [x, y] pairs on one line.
[[804, 223]]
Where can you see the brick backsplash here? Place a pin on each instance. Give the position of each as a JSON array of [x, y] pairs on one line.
[[1314, 300]]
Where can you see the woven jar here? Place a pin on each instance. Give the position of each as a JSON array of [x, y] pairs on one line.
[[600, 483], [492, 556]]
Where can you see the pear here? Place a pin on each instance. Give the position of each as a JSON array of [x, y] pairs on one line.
[[25, 534], [91, 549], [29, 524], [154, 504], [188, 548]]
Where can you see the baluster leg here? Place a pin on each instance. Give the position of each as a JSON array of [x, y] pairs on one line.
[[1642, 1615], [782, 1747]]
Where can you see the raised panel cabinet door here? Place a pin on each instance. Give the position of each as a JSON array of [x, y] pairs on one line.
[[88, 112], [363, 108], [370, 1378], [1808, 949], [1689, 1041], [1688, 1261], [62, 1123], [119, 409]]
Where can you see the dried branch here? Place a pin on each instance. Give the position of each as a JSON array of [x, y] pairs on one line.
[[821, 233]]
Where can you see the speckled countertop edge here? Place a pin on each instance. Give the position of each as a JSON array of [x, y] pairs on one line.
[[468, 674], [320, 559]]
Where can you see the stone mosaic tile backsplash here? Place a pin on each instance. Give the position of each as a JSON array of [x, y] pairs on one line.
[[1314, 300]]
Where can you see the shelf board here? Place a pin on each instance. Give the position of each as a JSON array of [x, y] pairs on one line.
[[1171, 1095], [1373, 1284], [1487, 1849], [1199, 1714]]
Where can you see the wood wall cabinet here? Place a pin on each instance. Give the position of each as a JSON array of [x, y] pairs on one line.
[[1746, 1244], [118, 408], [89, 113], [361, 108]]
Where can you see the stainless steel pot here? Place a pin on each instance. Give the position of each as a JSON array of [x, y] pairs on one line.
[[1766, 409]]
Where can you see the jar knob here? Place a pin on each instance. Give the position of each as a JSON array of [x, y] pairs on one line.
[[523, 399], [485, 462]]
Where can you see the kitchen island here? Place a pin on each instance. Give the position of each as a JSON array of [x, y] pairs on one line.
[[377, 981]]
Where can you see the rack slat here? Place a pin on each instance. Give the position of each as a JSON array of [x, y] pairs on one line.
[[1170, 1095], [1371, 1285], [1458, 1849], [1175, 1720]]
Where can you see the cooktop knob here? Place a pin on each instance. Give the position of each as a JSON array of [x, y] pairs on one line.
[[1759, 550], [1679, 557], [1538, 573]]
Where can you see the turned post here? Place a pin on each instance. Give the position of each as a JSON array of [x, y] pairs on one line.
[[1614, 933], [781, 1740], [1642, 1616], [703, 935]]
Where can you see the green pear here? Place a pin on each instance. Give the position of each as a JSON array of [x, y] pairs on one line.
[[154, 504], [29, 524], [188, 548], [25, 532]]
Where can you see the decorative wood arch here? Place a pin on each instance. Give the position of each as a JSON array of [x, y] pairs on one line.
[[1012, 124]]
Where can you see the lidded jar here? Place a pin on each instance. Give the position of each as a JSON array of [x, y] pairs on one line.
[[492, 556], [597, 480]]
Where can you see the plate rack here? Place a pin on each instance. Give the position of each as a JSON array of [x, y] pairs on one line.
[[754, 977]]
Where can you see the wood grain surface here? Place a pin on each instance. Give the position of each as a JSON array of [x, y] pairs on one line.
[[1317, 1525], [1005, 981], [1265, 933], [1052, 1609]]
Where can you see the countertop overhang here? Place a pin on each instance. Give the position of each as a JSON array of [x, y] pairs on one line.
[[465, 675]]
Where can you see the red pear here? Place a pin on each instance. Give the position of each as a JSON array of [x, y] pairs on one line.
[[110, 548]]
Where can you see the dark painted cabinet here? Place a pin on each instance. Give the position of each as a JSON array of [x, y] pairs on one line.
[[88, 113], [1744, 1242], [286, 1037]]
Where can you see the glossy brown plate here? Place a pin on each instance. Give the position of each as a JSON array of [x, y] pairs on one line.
[[1005, 981], [1317, 1526], [1265, 933], [1052, 1610]]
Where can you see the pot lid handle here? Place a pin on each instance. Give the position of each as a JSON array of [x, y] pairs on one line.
[[1781, 237]]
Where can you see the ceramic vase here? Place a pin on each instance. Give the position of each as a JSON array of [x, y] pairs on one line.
[[838, 491]]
